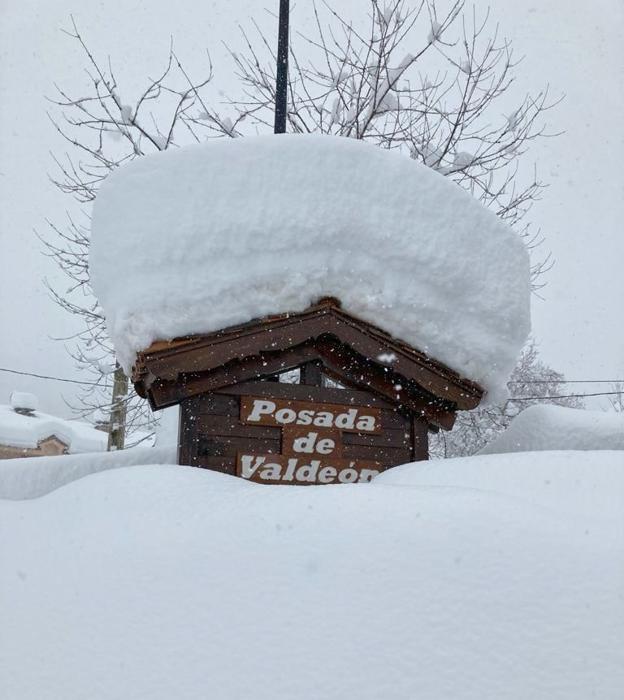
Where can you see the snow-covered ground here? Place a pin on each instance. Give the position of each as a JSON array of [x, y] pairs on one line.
[[35, 476], [496, 576], [219, 233], [551, 427]]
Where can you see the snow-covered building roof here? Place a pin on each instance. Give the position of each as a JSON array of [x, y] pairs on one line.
[[197, 239], [26, 431], [552, 427]]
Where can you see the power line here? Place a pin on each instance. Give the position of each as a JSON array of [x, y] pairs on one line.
[[566, 396], [519, 398], [45, 376], [568, 381]]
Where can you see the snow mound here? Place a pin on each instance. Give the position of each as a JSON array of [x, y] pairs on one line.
[[196, 239], [560, 428], [173, 582], [579, 484], [24, 401], [27, 431], [32, 477]]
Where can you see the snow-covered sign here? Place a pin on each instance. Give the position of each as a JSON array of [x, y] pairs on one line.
[[243, 259], [302, 398]]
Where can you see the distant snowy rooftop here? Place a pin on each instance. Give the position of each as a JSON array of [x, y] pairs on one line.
[[27, 431], [200, 238]]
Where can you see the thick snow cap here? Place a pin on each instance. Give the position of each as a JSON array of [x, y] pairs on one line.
[[196, 239]]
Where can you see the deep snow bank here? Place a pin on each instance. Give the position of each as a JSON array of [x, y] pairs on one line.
[[560, 428], [172, 582], [199, 238], [36, 476]]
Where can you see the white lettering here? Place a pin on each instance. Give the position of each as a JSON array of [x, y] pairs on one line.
[[308, 472], [250, 465], [368, 474], [305, 443], [289, 474], [344, 421], [261, 408], [327, 475], [271, 472], [366, 424], [305, 417], [347, 476], [325, 446], [324, 419], [285, 415]]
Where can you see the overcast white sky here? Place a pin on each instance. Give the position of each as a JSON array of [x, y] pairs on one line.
[[575, 46]]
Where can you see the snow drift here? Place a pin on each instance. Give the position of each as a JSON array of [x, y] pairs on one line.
[[560, 428], [171, 582], [200, 238], [32, 477]]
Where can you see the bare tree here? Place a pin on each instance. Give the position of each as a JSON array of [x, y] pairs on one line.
[[103, 132], [435, 84], [531, 382], [617, 398]]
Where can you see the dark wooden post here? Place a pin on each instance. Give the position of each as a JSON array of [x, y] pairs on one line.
[[117, 427], [311, 374], [281, 82], [420, 439]]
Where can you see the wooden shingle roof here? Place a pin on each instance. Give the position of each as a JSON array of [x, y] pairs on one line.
[[349, 349]]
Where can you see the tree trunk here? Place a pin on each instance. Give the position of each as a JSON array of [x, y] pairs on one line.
[[117, 428]]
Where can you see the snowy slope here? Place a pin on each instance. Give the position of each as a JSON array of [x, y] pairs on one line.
[[170, 582], [560, 428], [19, 430], [35, 476], [215, 234]]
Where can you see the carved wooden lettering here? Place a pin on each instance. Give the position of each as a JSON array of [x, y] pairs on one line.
[[305, 470], [284, 412], [300, 440], [311, 444]]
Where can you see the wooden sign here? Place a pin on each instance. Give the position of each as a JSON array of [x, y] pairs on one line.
[[282, 433], [311, 442]]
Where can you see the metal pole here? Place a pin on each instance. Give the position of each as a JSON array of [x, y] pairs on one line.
[[281, 82]]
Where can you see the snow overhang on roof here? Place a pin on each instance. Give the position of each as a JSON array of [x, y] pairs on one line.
[[349, 349], [201, 238]]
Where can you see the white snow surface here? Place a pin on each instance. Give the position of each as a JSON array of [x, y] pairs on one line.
[[24, 400], [560, 428], [196, 239], [27, 431], [32, 477], [491, 577]]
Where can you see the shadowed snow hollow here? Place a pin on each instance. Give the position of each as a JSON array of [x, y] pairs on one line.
[[201, 238]]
